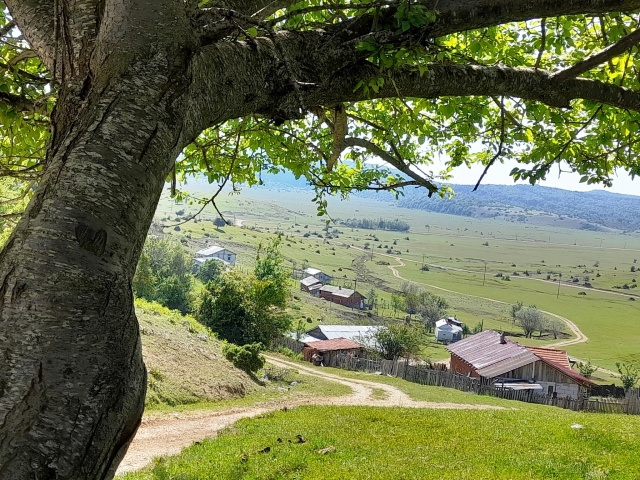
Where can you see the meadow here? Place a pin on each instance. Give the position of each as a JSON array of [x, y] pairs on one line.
[[547, 266], [528, 442]]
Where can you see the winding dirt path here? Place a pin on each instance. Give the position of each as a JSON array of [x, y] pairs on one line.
[[580, 337], [168, 434]]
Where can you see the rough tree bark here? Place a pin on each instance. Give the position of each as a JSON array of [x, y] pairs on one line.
[[72, 380], [136, 85]]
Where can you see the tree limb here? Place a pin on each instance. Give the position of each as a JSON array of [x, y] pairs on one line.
[[35, 19], [7, 28], [22, 104], [455, 16], [465, 80], [339, 135], [398, 163], [543, 42], [258, 9], [602, 56]]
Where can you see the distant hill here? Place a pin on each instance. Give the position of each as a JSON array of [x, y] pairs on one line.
[[594, 210]]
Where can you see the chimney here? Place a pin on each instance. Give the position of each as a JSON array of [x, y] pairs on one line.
[[503, 338]]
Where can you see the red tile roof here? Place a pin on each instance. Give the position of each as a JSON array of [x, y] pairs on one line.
[[334, 344], [559, 360], [558, 357]]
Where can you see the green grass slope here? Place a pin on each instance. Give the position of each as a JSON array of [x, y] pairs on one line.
[[365, 443], [184, 360]]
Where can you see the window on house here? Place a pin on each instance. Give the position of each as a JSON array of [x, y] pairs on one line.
[[550, 390]]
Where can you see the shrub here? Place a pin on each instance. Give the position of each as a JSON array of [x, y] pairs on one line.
[[246, 357], [586, 369]]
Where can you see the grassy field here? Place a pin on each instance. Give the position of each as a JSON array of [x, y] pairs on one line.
[[457, 250], [396, 443]]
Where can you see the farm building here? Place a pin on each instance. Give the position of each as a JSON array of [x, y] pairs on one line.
[[448, 330], [361, 334], [329, 348], [215, 252], [494, 357], [311, 285], [343, 296], [318, 274]]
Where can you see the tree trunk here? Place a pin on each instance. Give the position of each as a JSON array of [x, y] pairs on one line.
[[72, 380]]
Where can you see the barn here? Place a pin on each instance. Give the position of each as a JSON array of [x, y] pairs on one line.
[[492, 356], [330, 348], [343, 296]]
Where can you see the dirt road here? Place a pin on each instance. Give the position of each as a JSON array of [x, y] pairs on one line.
[[579, 336], [168, 434]]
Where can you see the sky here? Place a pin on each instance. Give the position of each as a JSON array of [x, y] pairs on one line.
[[499, 175]]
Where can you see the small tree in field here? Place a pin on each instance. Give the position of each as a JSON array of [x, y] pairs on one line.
[[586, 369], [245, 309], [219, 222], [629, 375], [398, 341], [530, 319], [209, 270]]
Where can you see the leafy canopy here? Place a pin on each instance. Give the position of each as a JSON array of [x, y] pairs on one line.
[[329, 144]]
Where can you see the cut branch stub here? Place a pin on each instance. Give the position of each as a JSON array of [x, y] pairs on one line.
[[339, 134]]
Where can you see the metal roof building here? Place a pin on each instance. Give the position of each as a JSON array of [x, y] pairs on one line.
[[490, 353], [363, 334], [492, 356]]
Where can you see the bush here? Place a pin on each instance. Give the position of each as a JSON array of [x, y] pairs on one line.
[[246, 357]]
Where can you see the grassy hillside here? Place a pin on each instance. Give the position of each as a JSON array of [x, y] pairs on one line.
[[537, 258], [523, 441], [184, 360]]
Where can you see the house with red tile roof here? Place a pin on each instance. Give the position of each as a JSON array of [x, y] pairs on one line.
[[492, 356]]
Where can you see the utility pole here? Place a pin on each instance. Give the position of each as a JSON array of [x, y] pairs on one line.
[[423, 262], [485, 274], [559, 277]]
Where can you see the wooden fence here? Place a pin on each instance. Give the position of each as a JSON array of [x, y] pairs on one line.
[[443, 378], [291, 343]]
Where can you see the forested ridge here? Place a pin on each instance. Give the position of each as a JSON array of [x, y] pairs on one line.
[[594, 208]]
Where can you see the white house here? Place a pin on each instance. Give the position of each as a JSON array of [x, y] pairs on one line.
[[215, 252], [319, 274], [448, 330]]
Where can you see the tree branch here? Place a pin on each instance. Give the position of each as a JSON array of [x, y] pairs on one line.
[[7, 28], [455, 16], [258, 9], [398, 163], [23, 104], [35, 19], [602, 56], [466, 80], [543, 42]]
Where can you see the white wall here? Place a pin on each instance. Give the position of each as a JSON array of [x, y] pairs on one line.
[[570, 390]]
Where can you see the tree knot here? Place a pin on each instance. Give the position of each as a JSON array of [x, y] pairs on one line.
[[91, 240]]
